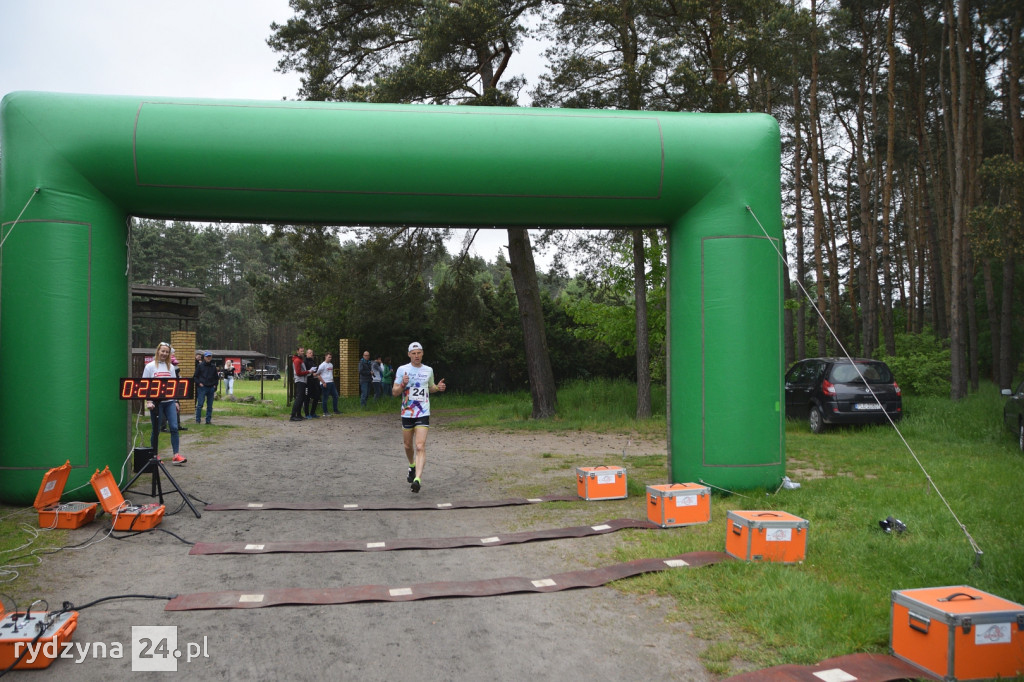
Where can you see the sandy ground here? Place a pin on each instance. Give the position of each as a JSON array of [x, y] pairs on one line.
[[598, 634]]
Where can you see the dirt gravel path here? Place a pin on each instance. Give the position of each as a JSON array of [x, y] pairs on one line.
[[598, 634]]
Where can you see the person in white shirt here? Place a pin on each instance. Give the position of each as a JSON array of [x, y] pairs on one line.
[[415, 382], [162, 368], [325, 373]]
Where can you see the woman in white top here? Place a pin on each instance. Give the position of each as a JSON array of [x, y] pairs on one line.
[[229, 377], [161, 368]]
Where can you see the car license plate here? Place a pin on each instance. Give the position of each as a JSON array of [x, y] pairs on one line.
[[867, 406]]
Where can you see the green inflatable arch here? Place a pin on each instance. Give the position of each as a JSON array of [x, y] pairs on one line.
[[75, 167]]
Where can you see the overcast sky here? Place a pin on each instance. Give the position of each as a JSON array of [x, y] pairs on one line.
[[185, 48]]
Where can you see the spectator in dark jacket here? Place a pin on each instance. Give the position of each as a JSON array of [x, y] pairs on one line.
[[206, 380], [365, 377], [299, 373], [312, 385]]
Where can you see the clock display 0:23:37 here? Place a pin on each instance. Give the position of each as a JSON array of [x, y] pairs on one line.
[[166, 388]]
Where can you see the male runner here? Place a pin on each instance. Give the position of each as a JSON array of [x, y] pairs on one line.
[[415, 382]]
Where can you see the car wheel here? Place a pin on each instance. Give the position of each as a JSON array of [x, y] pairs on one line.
[[816, 421]]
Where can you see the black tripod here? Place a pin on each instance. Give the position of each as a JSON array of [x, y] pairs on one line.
[[154, 466]]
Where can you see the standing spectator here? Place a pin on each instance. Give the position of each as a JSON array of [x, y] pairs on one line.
[[312, 385], [300, 375], [415, 382], [229, 377], [377, 372], [177, 407], [325, 373], [206, 386], [365, 377], [163, 410]]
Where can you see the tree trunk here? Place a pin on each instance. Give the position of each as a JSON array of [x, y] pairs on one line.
[[887, 323], [959, 31], [1017, 134], [634, 95], [993, 316], [972, 316], [538, 360], [1006, 328], [819, 215], [787, 320], [866, 273], [798, 219], [643, 353], [716, 28], [835, 314], [854, 273]]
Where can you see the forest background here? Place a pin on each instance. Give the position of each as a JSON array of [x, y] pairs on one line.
[[903, 189]]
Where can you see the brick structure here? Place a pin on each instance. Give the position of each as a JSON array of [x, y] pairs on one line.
[[346, 368], [184, 344]]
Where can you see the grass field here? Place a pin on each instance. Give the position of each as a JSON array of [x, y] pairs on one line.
[[838, 600]]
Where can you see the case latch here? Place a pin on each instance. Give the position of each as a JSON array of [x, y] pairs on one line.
[[966, 626]]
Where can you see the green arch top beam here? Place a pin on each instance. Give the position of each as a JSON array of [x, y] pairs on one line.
[[98, 159]]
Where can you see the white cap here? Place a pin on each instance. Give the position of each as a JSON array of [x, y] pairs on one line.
[[415, 345]]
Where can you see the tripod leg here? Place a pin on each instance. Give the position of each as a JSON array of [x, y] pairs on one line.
[[156, 484], [149, 468], [177, 487]]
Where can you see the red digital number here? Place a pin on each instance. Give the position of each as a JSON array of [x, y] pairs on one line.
[[155, 388]]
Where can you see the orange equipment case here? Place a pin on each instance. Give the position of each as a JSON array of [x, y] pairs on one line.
[[766, 535], [678, 504], [17, 632], [601, 483], [126, 516], [958, 632], [53, 514]]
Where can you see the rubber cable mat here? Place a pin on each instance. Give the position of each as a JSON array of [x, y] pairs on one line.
[[311, 547], [383, 506], [860, 667], [594, 577]]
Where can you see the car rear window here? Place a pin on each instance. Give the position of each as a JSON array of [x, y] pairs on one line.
[[873, 372]]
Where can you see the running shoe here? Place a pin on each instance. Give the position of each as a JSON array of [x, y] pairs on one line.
[[415, 485], [178, 459], [411, 476]]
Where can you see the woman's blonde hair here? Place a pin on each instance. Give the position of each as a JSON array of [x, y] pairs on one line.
[[156, 355]]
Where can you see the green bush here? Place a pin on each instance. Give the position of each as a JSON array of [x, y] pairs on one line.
[[921, 364]]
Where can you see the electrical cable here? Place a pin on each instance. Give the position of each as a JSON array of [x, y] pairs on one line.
[[974, 545], [130, 534], [35, 191], [68, 606]]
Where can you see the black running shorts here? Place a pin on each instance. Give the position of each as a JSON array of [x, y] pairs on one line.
[[413, 422]]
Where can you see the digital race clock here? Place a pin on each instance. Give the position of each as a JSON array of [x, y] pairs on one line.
[[167, 388]]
